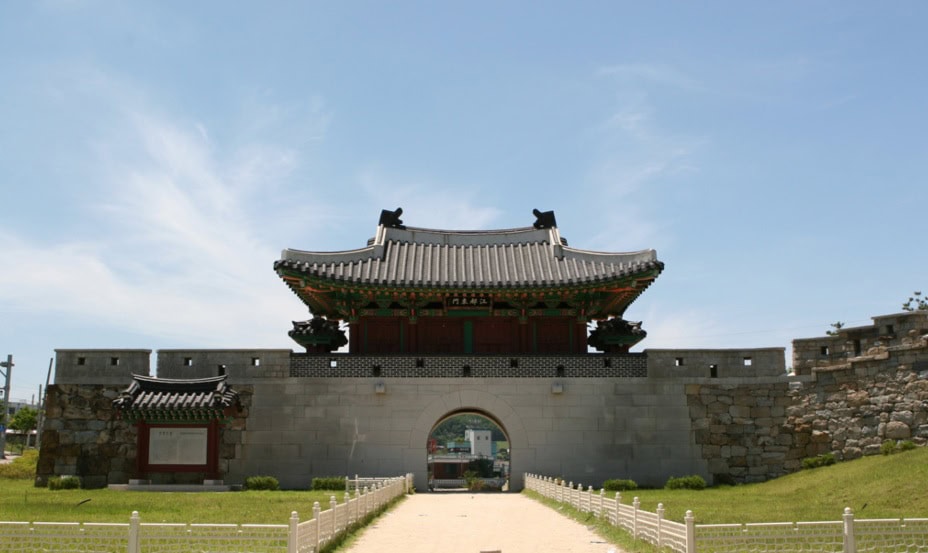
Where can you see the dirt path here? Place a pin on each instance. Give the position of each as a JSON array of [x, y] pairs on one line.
[[471, 523]]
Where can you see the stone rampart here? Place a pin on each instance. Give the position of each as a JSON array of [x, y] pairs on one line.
[[750, 431], [82, 436]]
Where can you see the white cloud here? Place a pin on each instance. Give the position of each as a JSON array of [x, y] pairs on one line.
[[635, 156], [174, 250]]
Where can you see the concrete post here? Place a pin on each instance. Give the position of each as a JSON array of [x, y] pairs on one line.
[[636, 504], [660, 525], [318, 523], [690, 532], [134, 525], [618, 503], [333, 506], [850, 544], [5, 418], [293, 535]]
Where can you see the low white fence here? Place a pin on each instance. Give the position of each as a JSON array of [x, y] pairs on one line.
[[451, 483], [361, 482], [909, 535], [143, 537]]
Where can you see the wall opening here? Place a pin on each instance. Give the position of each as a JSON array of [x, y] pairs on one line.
[[468, 450]]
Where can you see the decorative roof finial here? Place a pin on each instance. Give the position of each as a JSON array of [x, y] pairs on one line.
[[544, 219], [392, 218]]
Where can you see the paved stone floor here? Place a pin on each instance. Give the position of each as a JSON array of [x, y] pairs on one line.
[[453, 522]]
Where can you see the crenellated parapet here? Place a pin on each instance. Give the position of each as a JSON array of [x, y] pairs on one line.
[[100, 366], [900, 334]]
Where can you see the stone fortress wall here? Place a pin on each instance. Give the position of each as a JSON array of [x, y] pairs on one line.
[[729, 415]]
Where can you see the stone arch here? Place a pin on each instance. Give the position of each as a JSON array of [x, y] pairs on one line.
[[484, 403]]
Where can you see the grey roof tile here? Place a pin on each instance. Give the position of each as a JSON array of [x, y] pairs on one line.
[[526, 257]]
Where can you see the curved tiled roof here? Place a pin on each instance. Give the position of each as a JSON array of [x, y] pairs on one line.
[[148, 395], [510, 258]]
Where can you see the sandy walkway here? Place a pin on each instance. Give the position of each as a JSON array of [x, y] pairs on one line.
[[470, 523]]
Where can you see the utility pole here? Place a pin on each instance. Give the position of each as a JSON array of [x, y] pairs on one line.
[[40, 423], [8, 365]]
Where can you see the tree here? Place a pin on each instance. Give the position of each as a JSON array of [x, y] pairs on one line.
[[836, 326], [916, 302], [25, 421]]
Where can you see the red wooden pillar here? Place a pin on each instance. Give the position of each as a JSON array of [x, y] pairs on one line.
[[141, 449], [580, 337], [212, 450], [412, 336], [354, 337]]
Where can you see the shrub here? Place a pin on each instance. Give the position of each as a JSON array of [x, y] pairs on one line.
[[822, 460], [64, 483], [890, 446], [262, 483], [329, 483], [619, 485], [693, 482], [22, 468]]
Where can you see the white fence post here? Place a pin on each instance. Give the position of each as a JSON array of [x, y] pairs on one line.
[[618, 503], [348, 520], [332, 505], [316, 511], [357, 504], [293, 534], [589, 498], [602, 502], [850, 544], [690, 532], [134, 524], [636, 504], [660, 525]]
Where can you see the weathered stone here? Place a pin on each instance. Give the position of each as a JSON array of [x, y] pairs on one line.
[[898, 430], [905, 417], [819, 437]]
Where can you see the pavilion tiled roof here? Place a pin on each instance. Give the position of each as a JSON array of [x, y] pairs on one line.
[[163, 398], [511, 258]]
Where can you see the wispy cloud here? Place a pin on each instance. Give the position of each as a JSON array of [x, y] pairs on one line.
[[179, 247], [637, 154]]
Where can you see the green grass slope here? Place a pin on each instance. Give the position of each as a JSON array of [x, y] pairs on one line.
[[894, 486]]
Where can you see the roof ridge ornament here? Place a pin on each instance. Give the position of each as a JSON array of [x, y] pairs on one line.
[[544, 219], [392, 219]]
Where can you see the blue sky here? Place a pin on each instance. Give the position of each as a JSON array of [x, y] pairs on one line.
[[155, 157]]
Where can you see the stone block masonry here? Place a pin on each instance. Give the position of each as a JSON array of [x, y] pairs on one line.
[[732, 415], [754, 431]]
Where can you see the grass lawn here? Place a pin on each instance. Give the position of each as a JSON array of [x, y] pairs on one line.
[[893, 486], [20, 501]]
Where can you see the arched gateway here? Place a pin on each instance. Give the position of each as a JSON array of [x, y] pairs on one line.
[[438, 322], [483, 312]]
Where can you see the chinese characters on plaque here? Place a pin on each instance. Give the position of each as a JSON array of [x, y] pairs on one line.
[[462, 301]]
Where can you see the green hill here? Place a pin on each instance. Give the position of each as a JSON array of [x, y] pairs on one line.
[[894, 486]]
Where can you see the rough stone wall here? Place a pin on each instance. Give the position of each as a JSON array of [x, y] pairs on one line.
[[851, 411], [755, 430], [84, 436], [742, 429]]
